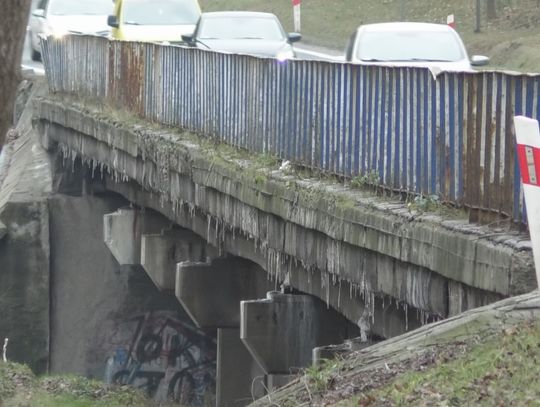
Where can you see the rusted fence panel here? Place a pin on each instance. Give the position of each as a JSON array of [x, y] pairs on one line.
[[448, 135]]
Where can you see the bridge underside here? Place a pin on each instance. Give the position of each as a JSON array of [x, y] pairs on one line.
[[274, 261]]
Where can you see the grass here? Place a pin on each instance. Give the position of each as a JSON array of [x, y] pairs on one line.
[[320, 377], [20, 388], [510, 40], [502, 371]]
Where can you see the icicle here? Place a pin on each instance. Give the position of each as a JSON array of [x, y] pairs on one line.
[[208, 223], [372, 307], [328, 293], [405, 308], [339, 295]]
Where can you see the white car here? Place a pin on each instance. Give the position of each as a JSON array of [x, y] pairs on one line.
[[411, 44], [60, 17]]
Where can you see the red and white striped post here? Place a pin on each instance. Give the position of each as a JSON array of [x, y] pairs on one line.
[[296, 15], [528, 152], [451, 21]]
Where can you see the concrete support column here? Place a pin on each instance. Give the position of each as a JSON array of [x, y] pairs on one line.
[[282, 330], [211, 294], [237, 372], [161, 252], [224, 282], [122, 231]]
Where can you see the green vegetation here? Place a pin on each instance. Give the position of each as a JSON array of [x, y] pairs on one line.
[[369, 180], [430, 203], [20, 388], [511, 39], [318, 378], [498, 370]]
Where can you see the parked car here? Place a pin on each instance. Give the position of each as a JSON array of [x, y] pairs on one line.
[[154, 20], [410, 44], [60, 17], [243, 32]]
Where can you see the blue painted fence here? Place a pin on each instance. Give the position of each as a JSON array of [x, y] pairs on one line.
[[449, 135]]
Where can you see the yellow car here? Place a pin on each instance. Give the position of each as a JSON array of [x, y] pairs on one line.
[[154, 20]]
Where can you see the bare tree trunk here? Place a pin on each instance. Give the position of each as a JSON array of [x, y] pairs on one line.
[[491, 8], [13, 21]]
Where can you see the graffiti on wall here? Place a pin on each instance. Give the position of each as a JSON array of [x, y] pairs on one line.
[[165, 357]]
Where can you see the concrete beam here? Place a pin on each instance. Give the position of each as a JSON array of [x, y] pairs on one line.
[[122, 231], [282, 330], [161, 252], [224, 282]]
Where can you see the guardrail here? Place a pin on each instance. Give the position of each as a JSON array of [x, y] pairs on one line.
[[449, 135]]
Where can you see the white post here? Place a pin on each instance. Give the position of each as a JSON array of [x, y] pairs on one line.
[[296, 15], [528, 152]]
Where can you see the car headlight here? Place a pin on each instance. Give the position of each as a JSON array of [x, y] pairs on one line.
[[285, 55]]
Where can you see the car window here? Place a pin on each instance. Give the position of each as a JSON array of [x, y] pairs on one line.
[[241, 28], [160, 12], [77, 7], [409, 46]]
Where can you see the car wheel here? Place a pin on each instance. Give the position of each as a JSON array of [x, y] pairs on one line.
[[35, 55]]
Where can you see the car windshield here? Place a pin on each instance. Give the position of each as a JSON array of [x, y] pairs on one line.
[[409, 46], [240, 28], [77, 7], [160, 12]]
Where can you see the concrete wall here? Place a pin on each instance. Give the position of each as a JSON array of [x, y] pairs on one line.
[[110, 321], [24, 284], [25, 183]]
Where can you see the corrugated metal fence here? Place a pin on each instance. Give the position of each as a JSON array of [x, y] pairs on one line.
[[450, 136]]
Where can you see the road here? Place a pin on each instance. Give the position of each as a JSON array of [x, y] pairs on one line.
[[304, 51]]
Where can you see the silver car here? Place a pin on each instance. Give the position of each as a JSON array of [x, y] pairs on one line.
[[60, 17], [411, 44], [243, 32]]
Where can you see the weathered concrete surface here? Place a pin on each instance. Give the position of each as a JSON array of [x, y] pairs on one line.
[[87, 287], [281, 330], [103, 314], [25, 183], [211, 292], [161, 252], [375, 247], [123, 230], [237, 371]]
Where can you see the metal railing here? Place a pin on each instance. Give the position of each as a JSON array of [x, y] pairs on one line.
[[449, 135]]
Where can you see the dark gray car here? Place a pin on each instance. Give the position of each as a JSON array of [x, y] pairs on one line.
[[243, 32]]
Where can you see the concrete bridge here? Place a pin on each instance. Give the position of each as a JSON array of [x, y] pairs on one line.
[[278, 258]]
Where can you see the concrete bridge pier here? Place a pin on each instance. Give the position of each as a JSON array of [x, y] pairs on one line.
[[160, 253], [225, 283], [282, 330], [123, 230]]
